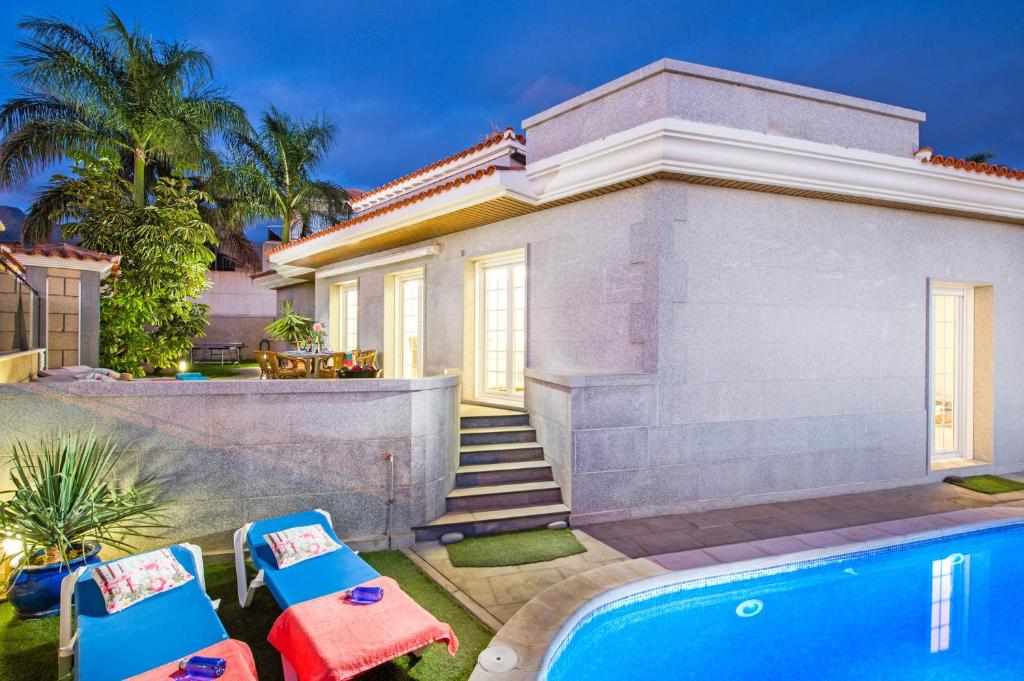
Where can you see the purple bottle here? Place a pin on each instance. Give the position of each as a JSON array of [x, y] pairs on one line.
[[197, 667]]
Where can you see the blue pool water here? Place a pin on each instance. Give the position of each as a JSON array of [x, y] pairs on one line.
[[946, 608]]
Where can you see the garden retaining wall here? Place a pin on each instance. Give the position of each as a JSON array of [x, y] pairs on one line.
[[229, 452]]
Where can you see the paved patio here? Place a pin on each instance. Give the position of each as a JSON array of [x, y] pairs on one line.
[[708, 529], [689, 540]]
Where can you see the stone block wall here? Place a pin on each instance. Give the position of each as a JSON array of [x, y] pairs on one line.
[[229, 452], [63, 307], [8, 309]]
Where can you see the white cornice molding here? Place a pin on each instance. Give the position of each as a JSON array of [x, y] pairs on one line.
[[101, 266], [688, 148], [501, 183], [390, 259]]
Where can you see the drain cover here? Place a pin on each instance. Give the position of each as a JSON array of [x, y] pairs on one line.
[[498, 659]]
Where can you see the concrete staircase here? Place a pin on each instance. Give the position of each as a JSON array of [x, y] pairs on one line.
[[502, 483]]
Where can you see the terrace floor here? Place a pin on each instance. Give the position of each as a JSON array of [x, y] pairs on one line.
[[705, 530], [690, 540]]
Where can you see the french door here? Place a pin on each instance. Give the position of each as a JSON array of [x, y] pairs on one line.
[[501, 328], [409, 325], [951, 312]]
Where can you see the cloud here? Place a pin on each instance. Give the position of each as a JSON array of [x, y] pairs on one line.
[[547, 91]]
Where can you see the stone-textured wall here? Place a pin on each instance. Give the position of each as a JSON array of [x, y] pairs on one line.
[[793, 355], [672, 89], [8, 309], [590, 285], [62, 317], [787, 338], [228, 452]]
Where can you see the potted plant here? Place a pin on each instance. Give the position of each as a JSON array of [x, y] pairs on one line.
[[65, 499], [291, 326]]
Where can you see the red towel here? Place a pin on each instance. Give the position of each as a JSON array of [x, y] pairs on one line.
[[240, 664], [331, 639]]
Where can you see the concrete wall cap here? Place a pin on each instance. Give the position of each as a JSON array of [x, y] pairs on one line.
[[589, 379]]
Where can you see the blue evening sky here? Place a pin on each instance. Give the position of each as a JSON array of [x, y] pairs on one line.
[[408, 83]]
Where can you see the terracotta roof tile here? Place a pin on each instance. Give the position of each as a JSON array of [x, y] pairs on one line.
[[369, 215], [969, 166], [69, 251], [489, 141]]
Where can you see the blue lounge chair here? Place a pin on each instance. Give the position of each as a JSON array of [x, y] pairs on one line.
[[161, 629], [327, 574]]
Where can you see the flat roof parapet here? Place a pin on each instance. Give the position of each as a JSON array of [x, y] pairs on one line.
[[678, 89]]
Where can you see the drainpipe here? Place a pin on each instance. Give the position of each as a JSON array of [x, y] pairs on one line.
[[390, 458]]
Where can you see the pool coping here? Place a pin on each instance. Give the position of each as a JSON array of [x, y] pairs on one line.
[[552, 614]]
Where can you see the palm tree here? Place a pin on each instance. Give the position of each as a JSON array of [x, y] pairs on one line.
[[109, 92], [982, 157], [274, 171]]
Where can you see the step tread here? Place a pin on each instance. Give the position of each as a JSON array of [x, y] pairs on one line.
[[494, 429], [473, 411], [502, 466], [460, 517], [499, 446], [485, 490]]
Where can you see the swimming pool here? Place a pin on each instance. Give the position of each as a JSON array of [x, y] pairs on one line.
[[935, 608]]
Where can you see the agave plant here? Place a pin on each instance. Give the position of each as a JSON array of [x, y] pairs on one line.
[[65, 496], [290, 326]]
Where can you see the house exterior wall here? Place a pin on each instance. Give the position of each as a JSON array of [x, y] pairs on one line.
[[767, 347]]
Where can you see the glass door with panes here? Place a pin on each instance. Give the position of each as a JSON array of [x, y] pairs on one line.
[[501, 329]]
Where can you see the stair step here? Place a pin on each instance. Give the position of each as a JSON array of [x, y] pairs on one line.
[[496, 420], [497, 435], [471, 455], [503, 473], [489, 497], [473, 524]]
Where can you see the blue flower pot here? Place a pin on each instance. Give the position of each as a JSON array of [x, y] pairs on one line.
[[36, 590]]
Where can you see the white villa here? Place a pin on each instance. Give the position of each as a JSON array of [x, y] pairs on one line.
[[704, 289]]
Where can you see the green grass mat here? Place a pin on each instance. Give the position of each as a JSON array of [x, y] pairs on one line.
[[986, 484], [515, 548], [225, 371], [28, 649]]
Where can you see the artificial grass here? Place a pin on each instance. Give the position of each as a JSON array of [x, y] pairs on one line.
[[514, 548], [28, 649], [223, 371], [987, 484]]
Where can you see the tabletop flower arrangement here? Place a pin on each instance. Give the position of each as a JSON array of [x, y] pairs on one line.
[[316, 340]]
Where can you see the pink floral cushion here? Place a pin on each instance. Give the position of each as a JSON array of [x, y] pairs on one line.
[[297, 544], [131, 580]]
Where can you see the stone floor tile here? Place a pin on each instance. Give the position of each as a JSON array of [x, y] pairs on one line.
[[781, 545], [522, 587], [863, 533], [767, 528], [667, 542], [723, 534], [685, 560], [731, 553], [823, 540]]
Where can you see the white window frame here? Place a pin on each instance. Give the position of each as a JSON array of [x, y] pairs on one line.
[[398, 326], [964, 398], [480, 365]]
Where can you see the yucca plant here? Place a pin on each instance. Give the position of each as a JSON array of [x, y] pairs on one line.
[[290, 326], [65, 496]]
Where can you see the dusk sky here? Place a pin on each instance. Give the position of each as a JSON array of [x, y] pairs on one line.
[[408, 83]]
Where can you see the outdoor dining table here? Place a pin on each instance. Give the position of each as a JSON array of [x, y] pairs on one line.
[[312, 359]]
